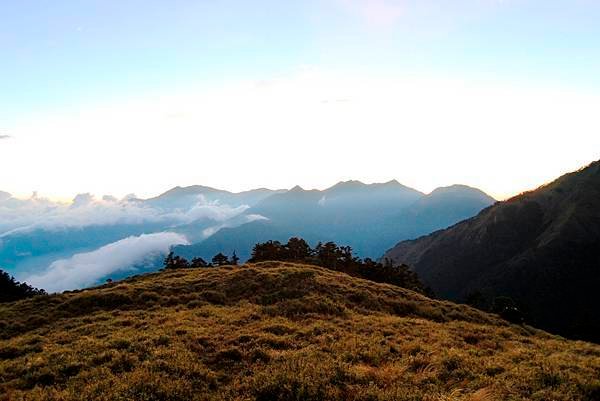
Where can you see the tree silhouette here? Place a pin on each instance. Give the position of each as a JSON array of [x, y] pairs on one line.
[[198, 262], [234, 259], [328, 254], [169, 261], [297, 249], [175, 262], [270, 250], [220, 260], [12, 290]]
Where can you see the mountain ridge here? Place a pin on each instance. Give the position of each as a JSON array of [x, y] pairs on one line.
[[368, 217], [541, 247]]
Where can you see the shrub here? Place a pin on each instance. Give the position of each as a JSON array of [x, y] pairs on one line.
[[214, 297], [229, 355], [162, 340], [123, 363]]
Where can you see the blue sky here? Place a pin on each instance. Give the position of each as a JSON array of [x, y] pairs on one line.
[[65, 52], [61, 57]]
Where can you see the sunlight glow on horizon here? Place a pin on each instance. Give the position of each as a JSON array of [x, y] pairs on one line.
[[311, 129], [109, 97]]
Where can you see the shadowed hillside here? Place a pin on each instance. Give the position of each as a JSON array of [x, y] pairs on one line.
[[277, 331], [541, 248]]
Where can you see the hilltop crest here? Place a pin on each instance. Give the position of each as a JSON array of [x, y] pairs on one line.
[[277, 331]]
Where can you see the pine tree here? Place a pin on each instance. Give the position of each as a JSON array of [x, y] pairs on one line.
[[169, 261], [198, 262], [234, 259], [220, 260]]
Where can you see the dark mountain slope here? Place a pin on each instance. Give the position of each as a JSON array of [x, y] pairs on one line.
[[277, 331], [542, 248], [441, 208]]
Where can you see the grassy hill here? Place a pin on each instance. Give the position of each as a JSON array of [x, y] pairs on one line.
[[277, 331]]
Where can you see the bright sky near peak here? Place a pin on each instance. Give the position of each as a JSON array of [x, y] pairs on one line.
[[139, 96]]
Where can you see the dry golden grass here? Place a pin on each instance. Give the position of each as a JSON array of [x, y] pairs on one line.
[[277, 331]]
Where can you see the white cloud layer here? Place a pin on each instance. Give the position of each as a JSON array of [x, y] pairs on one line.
[[17, 215], [85, 269]]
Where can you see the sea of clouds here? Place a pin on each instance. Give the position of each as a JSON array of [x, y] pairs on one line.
[[19, 217], [86, 269], [23, 215]]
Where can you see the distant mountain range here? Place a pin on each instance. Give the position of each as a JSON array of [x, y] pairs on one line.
[[368, 217], [43, 242], [541, 248], [187, 197]]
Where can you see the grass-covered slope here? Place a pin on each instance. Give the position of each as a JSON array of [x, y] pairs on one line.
[[275, 331]]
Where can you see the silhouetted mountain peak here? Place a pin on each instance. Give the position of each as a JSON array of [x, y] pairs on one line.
[[395, 185], [349, 184], [185, 197], [460, 191], [355, 186], [189, 190], [345, 187], [454, 188]]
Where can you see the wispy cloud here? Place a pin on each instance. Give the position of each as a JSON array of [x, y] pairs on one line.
[[419, 16], [86, 269], [207, 232], [380, 13]]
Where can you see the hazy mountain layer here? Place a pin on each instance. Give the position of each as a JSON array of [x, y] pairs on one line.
[[369, 218]]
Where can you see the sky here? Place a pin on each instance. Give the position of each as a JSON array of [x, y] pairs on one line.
[[130, 96]]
